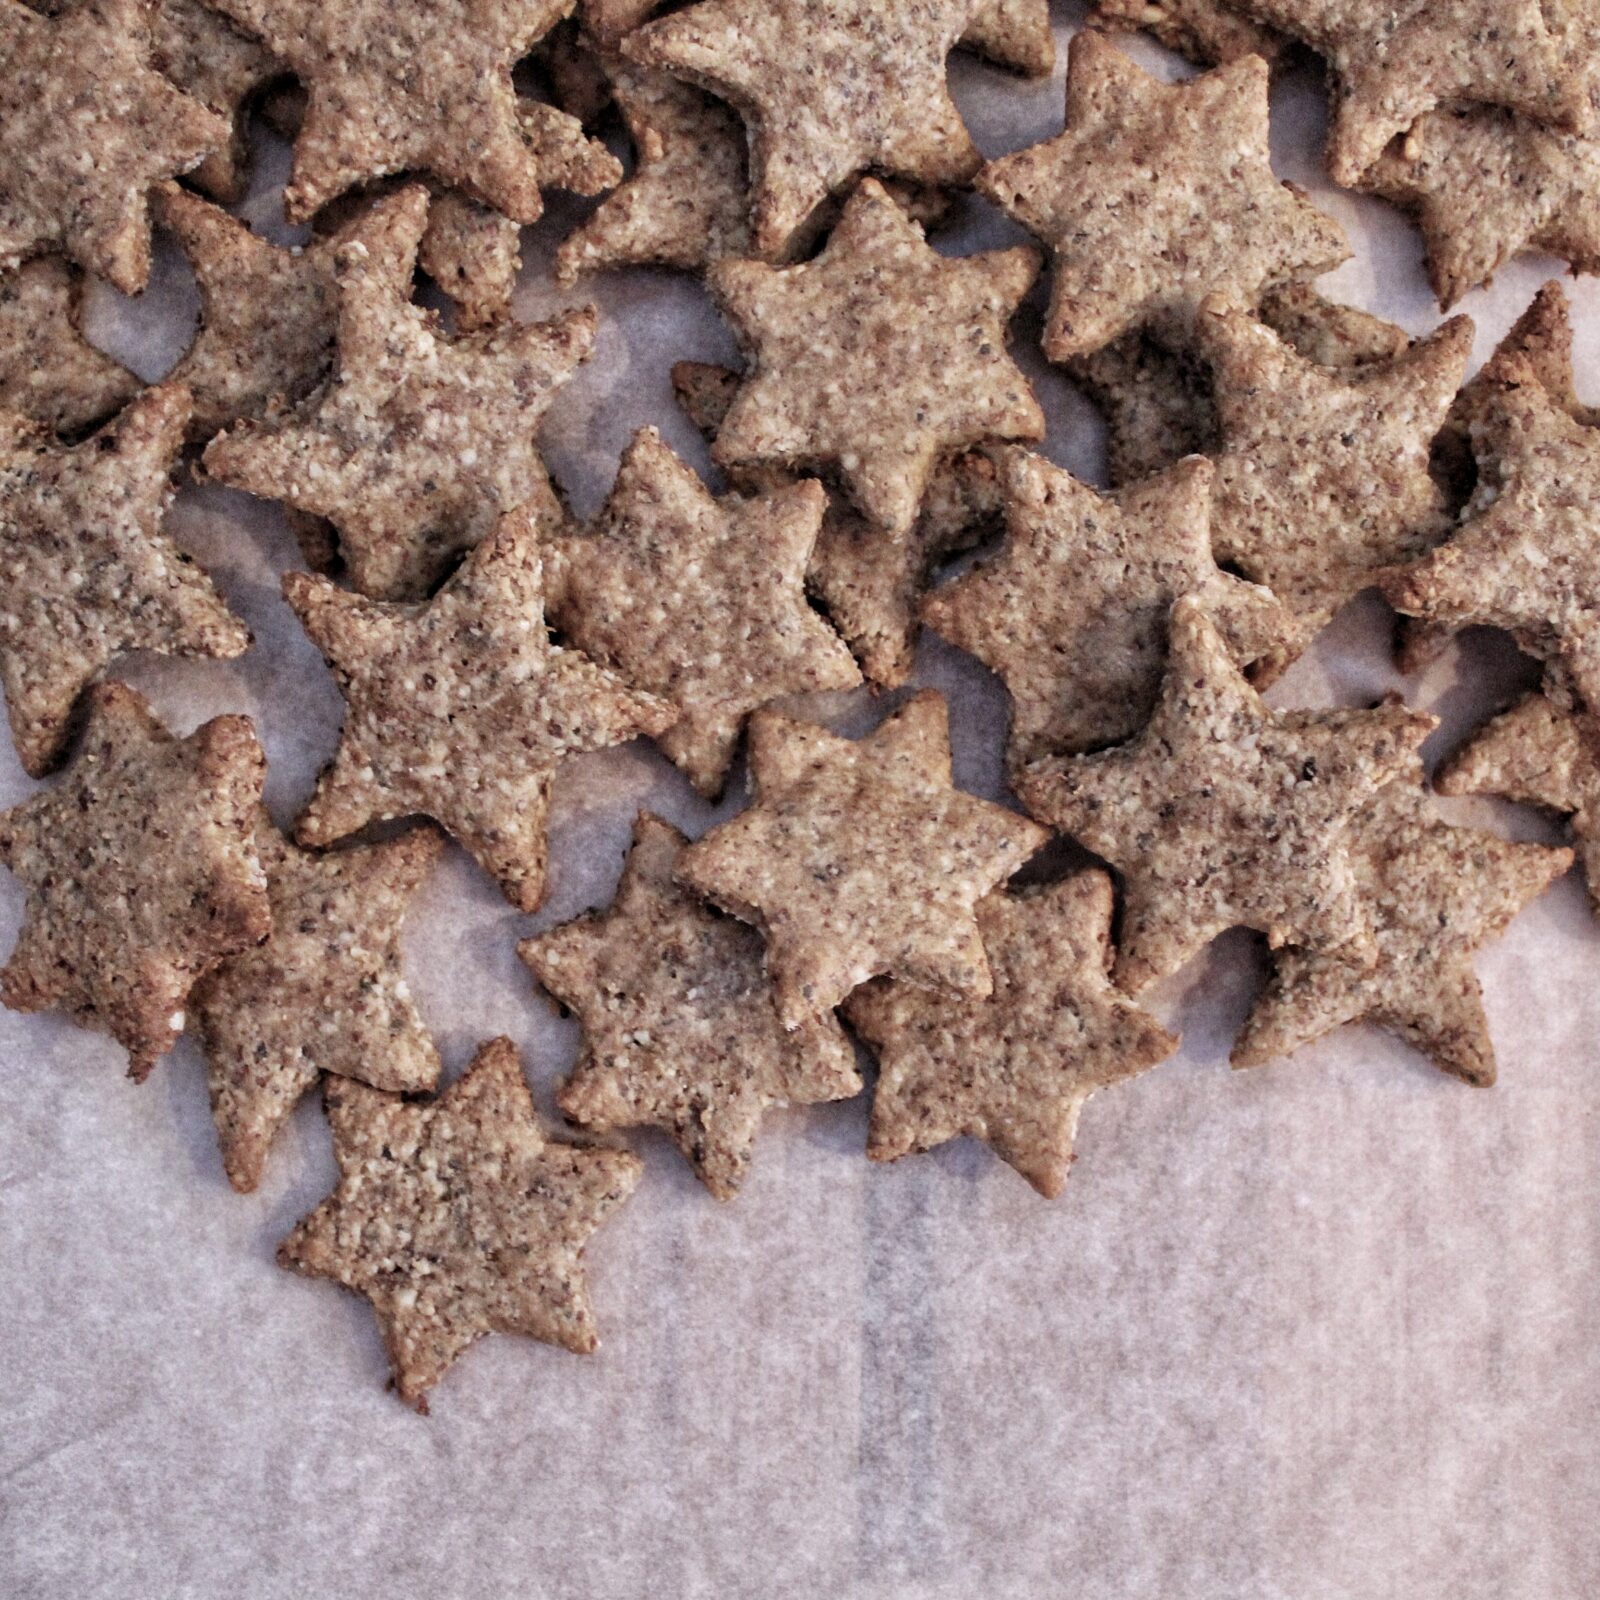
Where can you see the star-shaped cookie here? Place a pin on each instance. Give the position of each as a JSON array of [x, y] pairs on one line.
[[698, 600], [419, 441], [141, 873], [89, 573], [1210, 32], [680, 1030], [1223, 813], [1392, 62], [323, 994], [1539, 755], [867, 582], [1436, 895], [1157, 195], [828, 89], [1072, 613], [860, 859], [875, 358], [459, 1217], [461, 709], [1525, 558], [86, 126], [1322, 481], [49, 372], [420, 89], [1016, 1068]]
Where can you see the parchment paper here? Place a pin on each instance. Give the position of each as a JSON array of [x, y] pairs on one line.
[[1322, 1331]]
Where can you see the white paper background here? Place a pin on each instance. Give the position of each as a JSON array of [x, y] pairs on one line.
[[1321, 1330]]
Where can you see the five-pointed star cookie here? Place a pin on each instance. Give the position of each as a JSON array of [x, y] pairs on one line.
[[420, 88], [680, 1030], [875, 358], [1323, 482], [86, 126], [1539, 755], [459, 1217], [419, 441], [323, 994], [1526, 558], [461, 709], [1072, 614], [1436, 895], [214, 63], [1016, 1068], [1223, 813], [867, 582], [49, 372], [89, 573], [1156, 195], [141, 873], [1210, 32], [698, 600], [1392, 62], [828, 88], [1158, 402], [860, 859]]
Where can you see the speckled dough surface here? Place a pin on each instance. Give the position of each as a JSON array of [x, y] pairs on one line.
[[680, 1030], [1536, 754], [1436, 895], [875, 358], [1223, 813], [461, 709], [49, 372], [828, 88], [1211, 32], [860, 858], [420, 441], [459, 1217], [867, 581], [1323, 481], [86, 126], [323, 994], [414, 88], [1156, 195], [698, 600], [1015, 1069], [89, 573], [1072, 614], [1391, 62], [140, 871]]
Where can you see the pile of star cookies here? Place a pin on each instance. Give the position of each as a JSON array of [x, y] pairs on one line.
[[1272, 455]]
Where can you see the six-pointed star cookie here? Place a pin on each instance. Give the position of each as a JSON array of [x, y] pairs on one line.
[[1538, 755], [48, 371], [1156, 195], [1016, 1068], [680, 1030], [1390, 63], [860, 859], [419, 441], [1072, 614], [1223, 813], [141, 873], [86, 126], [1526, 558], [875, 358], [866, 581], [461, 709], [323, 994], [1323, 482], [698, 600], [459, 1217], [1436, 895], [418, 88], [828, 89], [89, 573]]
